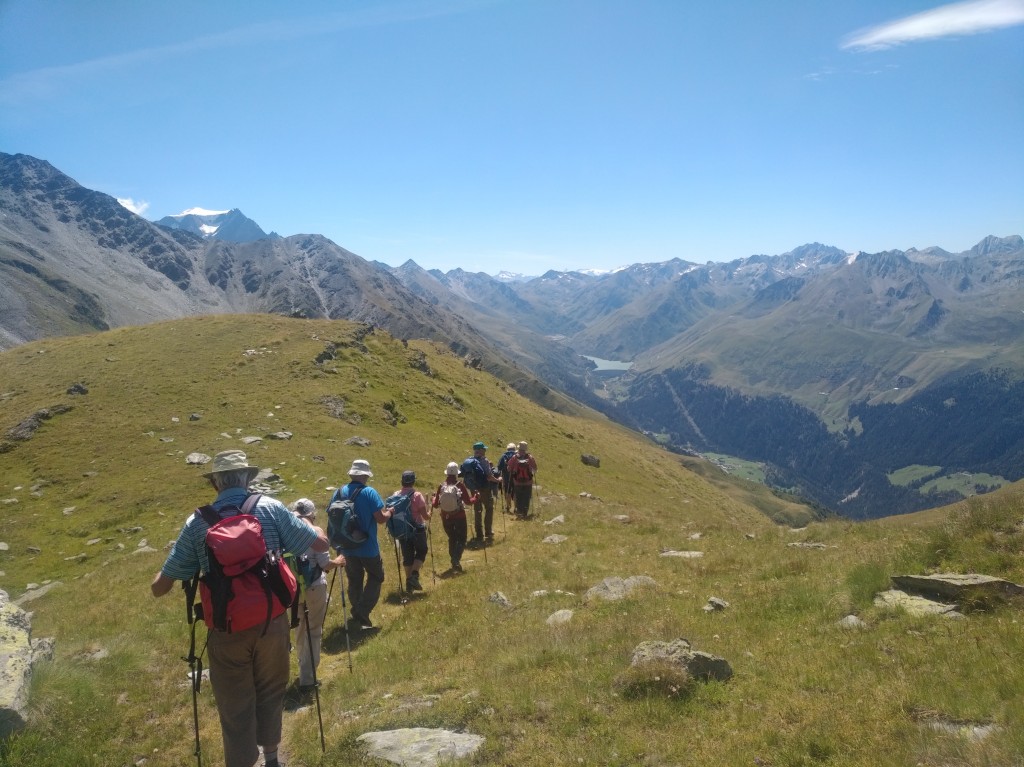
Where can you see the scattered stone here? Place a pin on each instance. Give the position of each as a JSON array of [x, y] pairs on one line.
[[806, 545], [555, 539], [895, 599], [4, 546], [195, 417], [695, 536], [167, 439], [34, 591], [500, 599], [33, 550], [77, 389], [559, 520], [251, 440], [852, 623], [545, 592], [9, 501], [683, 554], [965, 589], [68, 511], [420, 746], [591, 497], [358, 442], [280, 435], [591, 460], [76, 558], [615, 588], [197, 459], [18, 656], [319, 459], [623, 518], [559, 618], [715, 604], [750, 536], [700, 665]]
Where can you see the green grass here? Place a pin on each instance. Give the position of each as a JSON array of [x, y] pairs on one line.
[[910, 474], [804, 691]]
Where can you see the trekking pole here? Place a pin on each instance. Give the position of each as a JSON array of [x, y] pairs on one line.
[[195, 663], [316, 683], [430, 545], [344, 618], [330, 588], [398, 572]]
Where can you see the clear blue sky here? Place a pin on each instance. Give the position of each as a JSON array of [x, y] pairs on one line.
[[535, 134]]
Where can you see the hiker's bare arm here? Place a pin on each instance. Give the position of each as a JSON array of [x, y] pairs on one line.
[[161, 585], [382, 514], [320, 544]]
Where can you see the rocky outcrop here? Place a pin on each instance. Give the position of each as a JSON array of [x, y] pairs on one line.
[[18, 654]]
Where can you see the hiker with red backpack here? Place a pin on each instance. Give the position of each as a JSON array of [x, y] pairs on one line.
[[451, 498], [242, 604], [363, 563], [522, 468]]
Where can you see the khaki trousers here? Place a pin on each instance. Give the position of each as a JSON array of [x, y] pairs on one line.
[[316, 602], [249, 674]]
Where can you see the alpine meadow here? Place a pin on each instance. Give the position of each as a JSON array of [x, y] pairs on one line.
[[97, 475]]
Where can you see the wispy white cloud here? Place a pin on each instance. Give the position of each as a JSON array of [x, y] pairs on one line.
[[47, 82], [965, 18], [139, 207]]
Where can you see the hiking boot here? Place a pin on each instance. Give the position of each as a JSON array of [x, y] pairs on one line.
[[359, 622], [272, 763], [413, 583], [306, 689], [488, 539], [457, 568]]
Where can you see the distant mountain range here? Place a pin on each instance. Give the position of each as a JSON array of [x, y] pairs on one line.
[[834, 370]]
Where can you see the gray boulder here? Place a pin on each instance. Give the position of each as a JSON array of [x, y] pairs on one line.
[[420, 746], [18, 655], [969, 589], [591, 460], [698, 665], [615, 588]]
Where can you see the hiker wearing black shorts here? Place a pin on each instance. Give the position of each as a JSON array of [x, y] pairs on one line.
[[414, 548]]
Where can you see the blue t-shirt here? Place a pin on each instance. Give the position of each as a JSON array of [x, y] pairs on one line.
[[368, 503]]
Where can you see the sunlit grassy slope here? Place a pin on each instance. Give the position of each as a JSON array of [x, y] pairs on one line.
[[94, 483]]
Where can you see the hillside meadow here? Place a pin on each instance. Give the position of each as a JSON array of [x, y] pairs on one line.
[[85, 494]]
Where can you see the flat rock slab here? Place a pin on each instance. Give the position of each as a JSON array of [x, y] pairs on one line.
[[959, 587], [915, 605], [615, 588], [420, 746]]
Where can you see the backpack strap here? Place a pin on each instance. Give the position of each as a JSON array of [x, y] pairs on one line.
[[211, 516]]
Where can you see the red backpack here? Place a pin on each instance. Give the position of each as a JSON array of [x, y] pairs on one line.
[[247, 584], [520, 470]]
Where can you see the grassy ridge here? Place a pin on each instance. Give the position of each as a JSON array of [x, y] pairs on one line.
[[805, 692]]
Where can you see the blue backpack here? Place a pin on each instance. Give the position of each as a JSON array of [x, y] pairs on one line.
[[473, 474], [401, 524], [343, 529]]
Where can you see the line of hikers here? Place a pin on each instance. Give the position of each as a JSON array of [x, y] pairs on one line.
[[235, 551]]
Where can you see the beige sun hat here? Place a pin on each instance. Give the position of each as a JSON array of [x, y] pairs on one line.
[[510, 446], [231, 460], [360, 468], [304, 508], [452, 469]]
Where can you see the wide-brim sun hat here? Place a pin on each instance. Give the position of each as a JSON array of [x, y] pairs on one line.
[[452, 469], [479, 446], [510, 446], [231, 460], [360, 468], [304, 508], [523, 446]]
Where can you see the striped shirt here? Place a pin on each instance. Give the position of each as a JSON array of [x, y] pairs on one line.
[[282, 530]]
